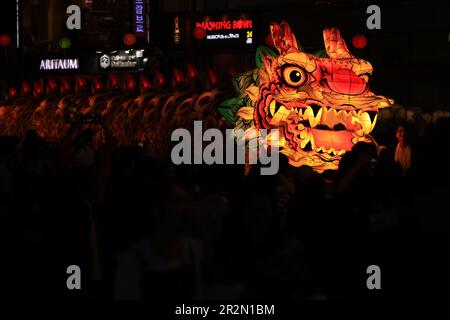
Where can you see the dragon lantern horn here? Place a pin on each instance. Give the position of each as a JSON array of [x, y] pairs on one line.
[[283, 39], [335, 44]]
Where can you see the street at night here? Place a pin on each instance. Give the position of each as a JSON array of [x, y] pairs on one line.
[[224, 158]]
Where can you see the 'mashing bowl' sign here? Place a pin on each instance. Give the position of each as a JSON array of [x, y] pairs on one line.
[[227, 29]]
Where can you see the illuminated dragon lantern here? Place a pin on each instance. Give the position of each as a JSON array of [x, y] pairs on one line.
[[321, 106]]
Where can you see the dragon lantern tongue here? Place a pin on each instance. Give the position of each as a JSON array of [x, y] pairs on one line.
[[338, 140]]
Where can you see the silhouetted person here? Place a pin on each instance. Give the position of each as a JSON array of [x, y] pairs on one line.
[[164, 265], [84, 155], [400, 152]]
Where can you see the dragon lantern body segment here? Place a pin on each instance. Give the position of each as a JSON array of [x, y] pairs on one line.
[[321, 106]]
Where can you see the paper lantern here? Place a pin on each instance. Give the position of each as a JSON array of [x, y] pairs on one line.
[[5, 40], [313, 109], [191, 72], [65, 43], [199, 33], [212, 77], [129, 39], [159, 78], [88, 3], [359, 41], [25, 90], [144, 83], [12, 92]]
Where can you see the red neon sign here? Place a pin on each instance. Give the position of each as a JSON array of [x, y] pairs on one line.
[[225, 25]]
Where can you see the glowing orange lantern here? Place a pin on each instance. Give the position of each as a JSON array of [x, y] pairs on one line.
[[5, 40], [129, 39], [359, 41], [199, 33]]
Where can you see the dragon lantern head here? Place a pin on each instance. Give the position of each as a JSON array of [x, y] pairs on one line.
[[321, 106]]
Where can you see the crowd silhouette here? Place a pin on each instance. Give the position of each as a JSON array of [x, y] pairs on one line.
[[142, 228]]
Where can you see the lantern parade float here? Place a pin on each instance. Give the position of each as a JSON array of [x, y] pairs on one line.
[[137, 109], [321, 106]]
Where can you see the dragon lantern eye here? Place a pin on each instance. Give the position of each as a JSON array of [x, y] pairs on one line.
[[294, 76]]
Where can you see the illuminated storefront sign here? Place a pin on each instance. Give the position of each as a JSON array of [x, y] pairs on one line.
[[105, 61], [121, 59], [222, 36], [238, 29], [59, 64], [225, 25], [139, 21]]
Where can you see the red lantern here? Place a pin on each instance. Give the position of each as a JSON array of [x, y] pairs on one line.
[[160, 80], [177, 77], [65, 86], [129, 39], [25, 88], [191, 72], [130, 82], [359, 41], [37, 88], [88, 3], [269, 40], [212, 77], [144, 83], [12, 92], [199, 33], [5, 40]]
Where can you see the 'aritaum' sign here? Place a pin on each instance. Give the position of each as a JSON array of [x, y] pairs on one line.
[[59, 64]]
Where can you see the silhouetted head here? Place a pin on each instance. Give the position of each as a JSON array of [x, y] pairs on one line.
[[401, 134], [85, 137]]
